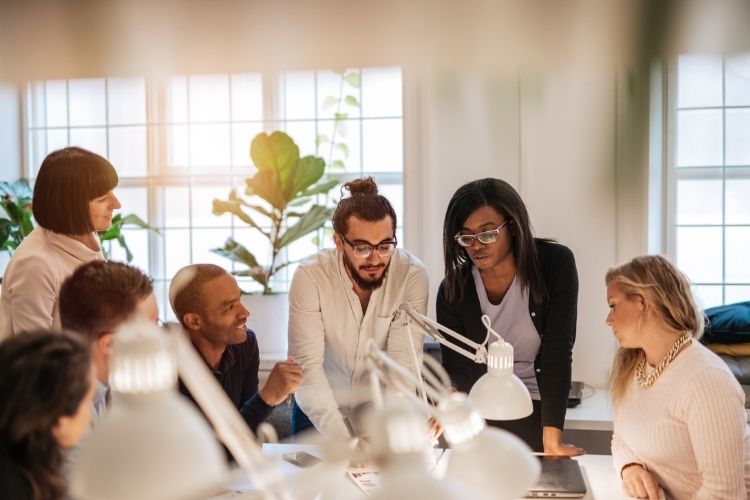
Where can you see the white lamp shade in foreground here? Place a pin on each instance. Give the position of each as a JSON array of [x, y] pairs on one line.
[[149, 446], [499, 394]]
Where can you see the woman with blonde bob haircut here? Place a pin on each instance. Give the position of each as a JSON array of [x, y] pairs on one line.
[[680, 423]]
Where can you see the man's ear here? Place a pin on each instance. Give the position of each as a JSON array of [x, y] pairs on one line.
[[339, 242], [104, 343], [192, 321]]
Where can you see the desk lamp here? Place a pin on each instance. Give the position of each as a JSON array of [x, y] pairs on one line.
[[499, 394], [153, 443], [491, 463]]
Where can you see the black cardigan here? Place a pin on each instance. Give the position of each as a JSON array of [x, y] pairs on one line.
[[553, 317]]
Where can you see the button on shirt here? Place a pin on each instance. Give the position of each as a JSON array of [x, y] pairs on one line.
[[328, 331]]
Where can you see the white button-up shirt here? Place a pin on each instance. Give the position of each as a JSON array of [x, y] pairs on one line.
[[328, 331]]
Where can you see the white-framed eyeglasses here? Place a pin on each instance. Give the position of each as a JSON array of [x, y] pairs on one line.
[[485, 237], [363, 250]]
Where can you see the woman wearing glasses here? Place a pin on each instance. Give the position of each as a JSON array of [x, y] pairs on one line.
[[529, 289]]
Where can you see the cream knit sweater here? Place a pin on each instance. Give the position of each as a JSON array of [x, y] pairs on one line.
[[689, 429]]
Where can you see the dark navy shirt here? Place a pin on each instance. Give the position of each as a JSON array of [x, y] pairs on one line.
[[238, 375]]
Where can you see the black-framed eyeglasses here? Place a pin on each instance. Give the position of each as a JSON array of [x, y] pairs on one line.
[[363, 250], [486, 237]]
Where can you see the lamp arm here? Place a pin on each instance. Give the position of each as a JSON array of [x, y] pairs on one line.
[[435, 331], [232, 430]]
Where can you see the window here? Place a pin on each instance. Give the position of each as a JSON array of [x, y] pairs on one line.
[[709, 176], [181, 142]]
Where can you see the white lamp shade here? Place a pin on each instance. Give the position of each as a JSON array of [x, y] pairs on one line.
[[494, 465], [413, 483], [499, 394], [149, 446]]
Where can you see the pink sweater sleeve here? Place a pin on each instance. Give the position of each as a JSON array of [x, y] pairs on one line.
[[716, 422], [621, 454]]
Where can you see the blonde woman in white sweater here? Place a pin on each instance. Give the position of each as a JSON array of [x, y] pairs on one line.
[[680, 426]]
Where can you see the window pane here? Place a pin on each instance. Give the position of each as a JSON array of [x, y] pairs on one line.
[[206, 239], [37, 149], [738, 80], [737, 199], [87, 103], [708, 295], [56, 139], [202, 200], [35, 104], [299, 95], [738, 136], [177, 250], [176, 207], [381, 92], [126, 98], [345, 146], [161, 291], [699, 201], [56, 97], [137, 240], [303, 134], [93, 139], [177, 149], [177, 100], [335, 94], [699, 81], [242, 135], [134, 200], [736, 293], [699, 253], [382, 147], [699, 137], [247, 97], [209, 98], [209, 145], [127, 151], [737, 252]]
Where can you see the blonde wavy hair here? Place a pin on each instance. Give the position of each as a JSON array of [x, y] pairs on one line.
[[666, 290]]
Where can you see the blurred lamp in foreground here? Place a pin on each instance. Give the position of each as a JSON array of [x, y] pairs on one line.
[[499, 394], [153, 443]]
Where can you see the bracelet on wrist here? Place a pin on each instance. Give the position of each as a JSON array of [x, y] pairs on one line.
[[630, 465]]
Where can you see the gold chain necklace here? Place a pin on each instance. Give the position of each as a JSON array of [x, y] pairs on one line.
[[647, 381]]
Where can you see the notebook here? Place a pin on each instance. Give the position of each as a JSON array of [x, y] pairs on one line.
[[561, 477]]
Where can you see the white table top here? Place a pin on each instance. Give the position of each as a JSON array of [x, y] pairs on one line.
[[594, 413], [601, 480]]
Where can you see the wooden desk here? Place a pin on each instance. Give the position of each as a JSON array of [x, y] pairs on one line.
[[601, 481]]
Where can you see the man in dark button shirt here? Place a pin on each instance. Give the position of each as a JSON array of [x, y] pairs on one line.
[[206, 301]]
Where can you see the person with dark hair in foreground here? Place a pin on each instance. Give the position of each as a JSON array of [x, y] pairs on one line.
[[339, 298], [529, 289], [46, 389], [206, 301], [73, 199], [679, 413]]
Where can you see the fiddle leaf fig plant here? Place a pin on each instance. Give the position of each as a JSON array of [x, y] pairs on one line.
[[273, 204]]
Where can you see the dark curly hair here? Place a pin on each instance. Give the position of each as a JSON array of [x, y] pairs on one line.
[[44, 375], [364, 202]]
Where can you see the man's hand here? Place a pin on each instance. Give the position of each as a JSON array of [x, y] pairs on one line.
[[553, 445], [640, 483], [283, 380]]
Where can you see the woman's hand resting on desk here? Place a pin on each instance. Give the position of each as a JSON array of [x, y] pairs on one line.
[[553, 445], [640, 483]]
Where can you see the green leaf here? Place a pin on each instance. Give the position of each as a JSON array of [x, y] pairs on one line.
[[5, 228], [338, 164], [114, 230], [221, 207], [259, 275], [134, 220], [338, 71], [321, 139], [236, 252], [343, 148], [276, 153], [128, 253], [353, 79], [267, 185], [301, 200], [341, 116], [351, 101], [330, 102], [306, 173], [312, 220], [321, 188]]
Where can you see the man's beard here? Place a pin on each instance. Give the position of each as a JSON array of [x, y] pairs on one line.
[[362, 283]]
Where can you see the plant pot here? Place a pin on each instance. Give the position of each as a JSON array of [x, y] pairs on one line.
[[269, 318]]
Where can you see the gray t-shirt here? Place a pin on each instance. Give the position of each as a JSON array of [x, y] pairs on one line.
[[510, 318]]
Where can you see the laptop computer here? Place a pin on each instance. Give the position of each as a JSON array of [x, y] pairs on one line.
[[561, 477]]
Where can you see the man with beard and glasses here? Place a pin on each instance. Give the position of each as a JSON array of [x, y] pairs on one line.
[[206, 302], [340, 298]]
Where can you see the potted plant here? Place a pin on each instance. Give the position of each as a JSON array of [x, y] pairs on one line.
[[279, 203]]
